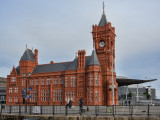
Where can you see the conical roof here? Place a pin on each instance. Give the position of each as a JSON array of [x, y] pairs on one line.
[[28, 55], [94, 59], [103, 20]]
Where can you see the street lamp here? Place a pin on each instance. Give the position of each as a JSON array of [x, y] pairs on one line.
[[24, 75], [112, 80], [87, 98]]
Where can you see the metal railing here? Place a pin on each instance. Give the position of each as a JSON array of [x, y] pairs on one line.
[[132, 110]]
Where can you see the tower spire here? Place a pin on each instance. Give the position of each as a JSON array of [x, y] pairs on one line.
[[26, 46], [103, 7], [103, 20]]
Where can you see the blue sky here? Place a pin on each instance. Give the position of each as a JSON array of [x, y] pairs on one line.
[[59, 28]]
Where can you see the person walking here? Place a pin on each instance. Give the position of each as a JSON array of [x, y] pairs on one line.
[[70, 104], [81, 104]]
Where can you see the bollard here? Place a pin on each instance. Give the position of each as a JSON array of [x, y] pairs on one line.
[[66, 110], [113, 109], [96, 110], [41, 110], [25, 108], [148, 109], [19, 109], [10, 109], [30, 110], [0, 109], [80, 111], [53, 109]]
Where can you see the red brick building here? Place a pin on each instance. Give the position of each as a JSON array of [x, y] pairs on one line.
[[87, 77]]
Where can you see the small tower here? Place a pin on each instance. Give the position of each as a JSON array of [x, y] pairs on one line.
[[93, 81], [28, 61]]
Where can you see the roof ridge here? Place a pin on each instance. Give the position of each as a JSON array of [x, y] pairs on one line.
[[55, 63]]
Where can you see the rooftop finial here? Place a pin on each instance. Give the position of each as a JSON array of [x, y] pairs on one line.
[[93, 45], [26, 46], [103, 7], [76, 54]]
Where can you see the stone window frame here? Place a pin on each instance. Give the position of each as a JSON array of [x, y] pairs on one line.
[[36, 81], [13, 79], [91, 95], [48, 81], [96, 79], [23, 82], [96, 95], [73, 81], [66, 81], [10, 90], [91, 79], [16, 90]]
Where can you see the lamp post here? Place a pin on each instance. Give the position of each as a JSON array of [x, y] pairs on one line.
[[24, 75], [149, 91], [87, 98], [112, 80]]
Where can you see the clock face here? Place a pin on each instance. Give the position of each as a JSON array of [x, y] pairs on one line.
[[101, 44]]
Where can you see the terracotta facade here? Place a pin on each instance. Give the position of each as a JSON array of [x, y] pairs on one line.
[[87, 77]]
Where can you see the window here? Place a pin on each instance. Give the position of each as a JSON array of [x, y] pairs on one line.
[[10, 90], [67, 95], [70, 95], [15, 99], [13, 79], [45, 95], [23, 82], [43, 81], [73, 83], [61, 80], [55, 80], [10, 99], [96, 79], [91, 79], [66, 81], [16, 90], [91, 95], [96, 95], [57, 96], [37, 82], [48, 81], [31, 82], [34, 95]]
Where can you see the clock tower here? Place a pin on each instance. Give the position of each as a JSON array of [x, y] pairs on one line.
[[104, 42]]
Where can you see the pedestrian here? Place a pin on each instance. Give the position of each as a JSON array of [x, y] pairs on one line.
[[81, 104], [70, 104], [129, 102], [125, 102], [67, 104]]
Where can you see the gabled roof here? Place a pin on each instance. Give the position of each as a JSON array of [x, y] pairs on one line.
[[94, 59], [28, 55], [103, 20]]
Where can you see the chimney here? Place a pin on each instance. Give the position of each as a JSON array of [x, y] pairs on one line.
[[81, 59], [36, 56], [51, 62]]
